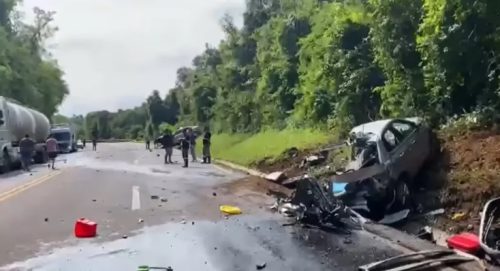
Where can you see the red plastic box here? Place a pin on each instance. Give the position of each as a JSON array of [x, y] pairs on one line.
[[85, 228], [466, 242]]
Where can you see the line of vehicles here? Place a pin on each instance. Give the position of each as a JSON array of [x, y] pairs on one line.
[[16, 121]]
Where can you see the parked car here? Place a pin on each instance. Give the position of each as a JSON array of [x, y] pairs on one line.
[[386, 155]]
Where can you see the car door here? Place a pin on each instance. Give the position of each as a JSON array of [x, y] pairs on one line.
[[407, 150]]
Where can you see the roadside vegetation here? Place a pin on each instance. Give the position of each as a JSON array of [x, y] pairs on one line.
[[28, 73], [247, 150], [330, 65]]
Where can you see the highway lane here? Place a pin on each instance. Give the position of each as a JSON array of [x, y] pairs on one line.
[[114, 187]]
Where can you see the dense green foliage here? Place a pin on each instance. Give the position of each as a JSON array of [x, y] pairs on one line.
[[27, 72], [144, 121], [338, 63]]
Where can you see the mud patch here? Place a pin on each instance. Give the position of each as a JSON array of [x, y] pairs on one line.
[[258, 185], [472, 162]]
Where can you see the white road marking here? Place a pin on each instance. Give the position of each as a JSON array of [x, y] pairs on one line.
[[136, 198]]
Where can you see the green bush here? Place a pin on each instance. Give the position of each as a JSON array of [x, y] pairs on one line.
[[245, 149]]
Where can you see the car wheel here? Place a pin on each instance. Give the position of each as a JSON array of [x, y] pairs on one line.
[[7, 162]]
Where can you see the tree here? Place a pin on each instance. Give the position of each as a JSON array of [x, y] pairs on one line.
[[27, 73], [324, 63], [157, 111]]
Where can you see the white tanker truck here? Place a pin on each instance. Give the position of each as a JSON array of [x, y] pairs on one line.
[[16, 121]]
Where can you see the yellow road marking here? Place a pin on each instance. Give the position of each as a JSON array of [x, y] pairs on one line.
[[19, 189]]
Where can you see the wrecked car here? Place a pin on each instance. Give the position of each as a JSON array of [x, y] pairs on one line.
[[386, 155], [489, 231]]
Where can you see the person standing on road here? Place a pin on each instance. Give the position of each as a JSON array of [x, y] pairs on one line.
[[26, 148], [192, 143], [167, 141], [148, 144], [206, 146], [52, 149], [184, 143], [94, 144], [84, 142]]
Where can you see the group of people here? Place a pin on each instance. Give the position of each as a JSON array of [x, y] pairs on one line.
[[27, 148], [94, 144], [187, 143]]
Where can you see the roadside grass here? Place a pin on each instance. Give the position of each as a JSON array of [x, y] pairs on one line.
[[247, 149]]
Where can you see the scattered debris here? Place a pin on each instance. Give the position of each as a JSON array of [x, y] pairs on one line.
[[312, 160], [261, 266], [46, 219], [275, 176], [458, 216], [230, 210], [395, 217], [426, 234], [164, 200], [85, 228], [435, 212], [292, 182], [214, 194], [312, 204], [292, 152], [140, 220], [274, 207], [154, 197], [183, 221], [192, 223], [124, 236], [347, 241], [94, 200]]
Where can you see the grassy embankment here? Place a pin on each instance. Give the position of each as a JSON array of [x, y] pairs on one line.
[[247, 149]]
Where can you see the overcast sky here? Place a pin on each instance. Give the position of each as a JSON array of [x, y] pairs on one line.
[[115, 52]]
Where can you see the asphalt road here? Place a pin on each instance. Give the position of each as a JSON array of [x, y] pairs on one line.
[[114, 187]]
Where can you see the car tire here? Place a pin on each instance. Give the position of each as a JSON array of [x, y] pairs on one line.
[[7, 162], [402, 195]]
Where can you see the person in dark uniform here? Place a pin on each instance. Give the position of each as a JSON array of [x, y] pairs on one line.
[[94, 144], [184, 143], [148, 144], [84, 142], [206, 147], [167, 141]]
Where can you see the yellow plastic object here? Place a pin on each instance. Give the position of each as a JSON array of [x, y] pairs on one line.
[[458, 216], [230, 210]]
